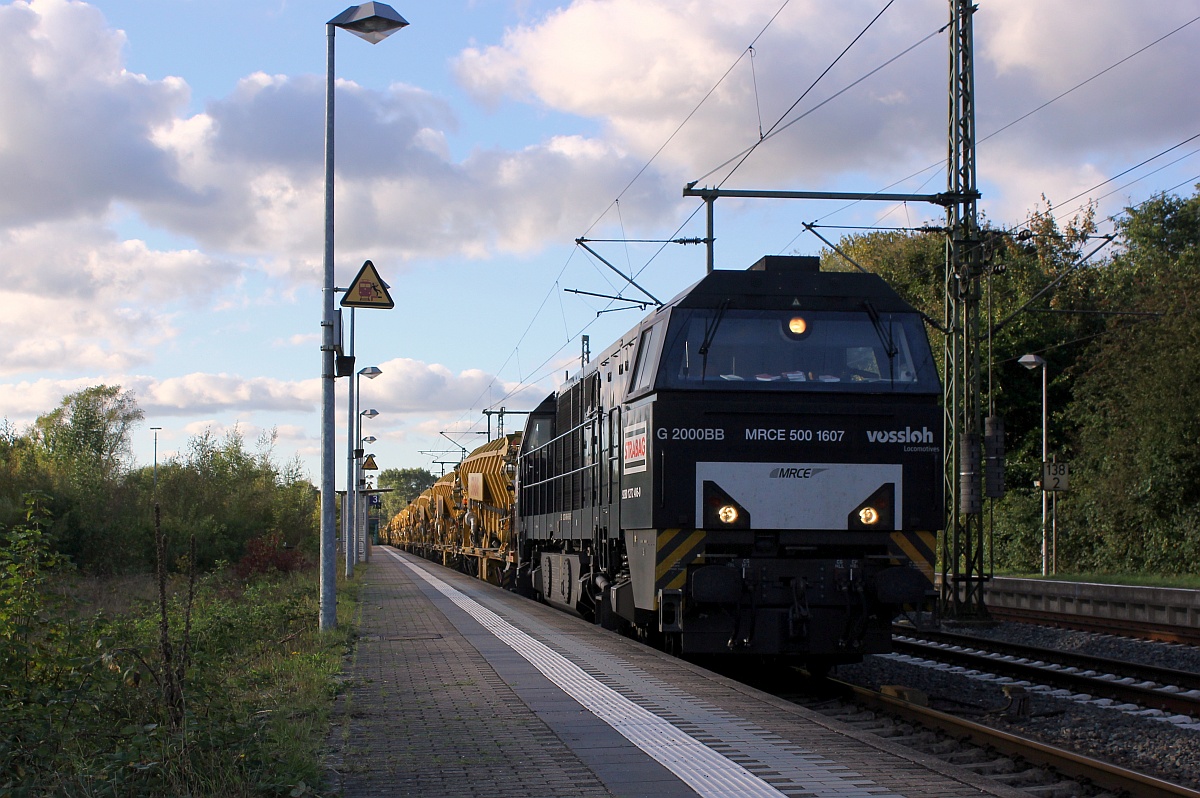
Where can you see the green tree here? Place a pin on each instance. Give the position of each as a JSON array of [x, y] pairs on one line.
[[83, 456], [1017, 266], [90, 431], [406, 484], [1136, 483], [229, 495]]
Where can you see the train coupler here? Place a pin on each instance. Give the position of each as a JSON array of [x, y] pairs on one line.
[[798, 613]]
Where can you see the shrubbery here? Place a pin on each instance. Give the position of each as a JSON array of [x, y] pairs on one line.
[[100, 507], [83, 702]]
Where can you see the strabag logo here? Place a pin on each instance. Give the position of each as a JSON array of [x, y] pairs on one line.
[[635, 448], [906, 435]]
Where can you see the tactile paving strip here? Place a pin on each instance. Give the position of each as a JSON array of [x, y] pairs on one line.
[[714, 752]]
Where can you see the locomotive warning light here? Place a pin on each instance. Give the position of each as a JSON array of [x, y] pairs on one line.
[[728, 514], [868, 515]]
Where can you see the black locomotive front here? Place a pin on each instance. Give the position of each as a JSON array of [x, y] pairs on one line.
[[764, 459]]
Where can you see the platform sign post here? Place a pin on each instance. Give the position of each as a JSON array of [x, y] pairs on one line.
[[1056, 477]]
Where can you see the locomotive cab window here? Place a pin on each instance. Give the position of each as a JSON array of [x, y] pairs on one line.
[[868, 352], [643, 370]]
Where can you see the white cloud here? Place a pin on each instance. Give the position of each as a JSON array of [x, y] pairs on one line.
[[410, 386], [245, 176], [24, 401], [642, 83], [198, 393], [406, 388], [77, 130], [77, 297]]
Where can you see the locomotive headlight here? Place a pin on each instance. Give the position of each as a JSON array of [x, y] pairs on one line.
[[728, 514], [797, 325], [868, 515]]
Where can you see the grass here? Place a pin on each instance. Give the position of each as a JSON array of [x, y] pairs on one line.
[[257, 694]]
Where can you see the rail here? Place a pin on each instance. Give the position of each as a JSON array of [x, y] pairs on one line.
[[1076, 766]]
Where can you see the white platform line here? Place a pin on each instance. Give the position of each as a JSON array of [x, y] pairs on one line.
[[706, 771]]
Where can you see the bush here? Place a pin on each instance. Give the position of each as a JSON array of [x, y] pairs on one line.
[[82, 701], [269, 553]]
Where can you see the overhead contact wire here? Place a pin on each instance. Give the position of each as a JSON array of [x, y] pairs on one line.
[[523, 383]]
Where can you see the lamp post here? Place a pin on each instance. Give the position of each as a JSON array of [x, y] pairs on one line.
[[1032, 362], [365, 442], [373, 22], [360, 545], [353, 453], [156, 429]]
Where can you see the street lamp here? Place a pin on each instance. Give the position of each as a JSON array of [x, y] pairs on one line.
[[373, 22], [1033, 362], [353, 453], [366, 441], [360, 541], [156, 429]]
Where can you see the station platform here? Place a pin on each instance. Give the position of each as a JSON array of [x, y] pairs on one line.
[[458, 688]]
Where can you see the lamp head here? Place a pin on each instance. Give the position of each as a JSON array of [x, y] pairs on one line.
[[1031, 361], [370, 413], [370, 372], [373, 22]]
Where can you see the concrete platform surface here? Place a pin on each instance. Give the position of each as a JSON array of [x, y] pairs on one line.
[[458, 688]]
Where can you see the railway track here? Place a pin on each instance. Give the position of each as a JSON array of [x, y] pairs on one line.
[[1162, 633], [1018, 761], [1049, 721], [903, 716], [1127, 682]]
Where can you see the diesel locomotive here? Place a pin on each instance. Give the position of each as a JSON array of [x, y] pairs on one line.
[[755, 468]]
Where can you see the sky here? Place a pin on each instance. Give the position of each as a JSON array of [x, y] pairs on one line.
[[162, 181]]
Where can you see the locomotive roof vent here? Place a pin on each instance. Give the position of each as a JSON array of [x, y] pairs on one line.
[[787, 264]]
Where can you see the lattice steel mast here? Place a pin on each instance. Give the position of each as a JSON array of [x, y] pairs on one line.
[[966, 434], [963, 542]]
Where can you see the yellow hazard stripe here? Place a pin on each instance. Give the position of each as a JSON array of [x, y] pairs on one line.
[[676, 549], [919, 547]]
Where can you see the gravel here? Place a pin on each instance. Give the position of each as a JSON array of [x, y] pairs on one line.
[[1146, 744]]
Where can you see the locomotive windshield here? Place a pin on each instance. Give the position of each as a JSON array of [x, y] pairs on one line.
[[861, 351]]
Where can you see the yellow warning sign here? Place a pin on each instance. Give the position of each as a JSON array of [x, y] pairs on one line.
[[368, 290], [369, 463]]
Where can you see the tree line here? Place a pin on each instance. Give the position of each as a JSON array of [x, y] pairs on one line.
[[1118, 327], [1119, 331], [97, 505]]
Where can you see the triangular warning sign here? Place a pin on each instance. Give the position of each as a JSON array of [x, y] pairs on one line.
[[369, 463], [368, 290], [795, 302]]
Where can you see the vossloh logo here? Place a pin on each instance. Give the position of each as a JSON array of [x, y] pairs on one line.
[[906, 435]]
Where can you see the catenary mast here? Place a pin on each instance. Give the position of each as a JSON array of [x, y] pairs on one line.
[[963, 542]]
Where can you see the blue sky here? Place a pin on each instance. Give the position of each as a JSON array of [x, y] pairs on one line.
[[161, 180]]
